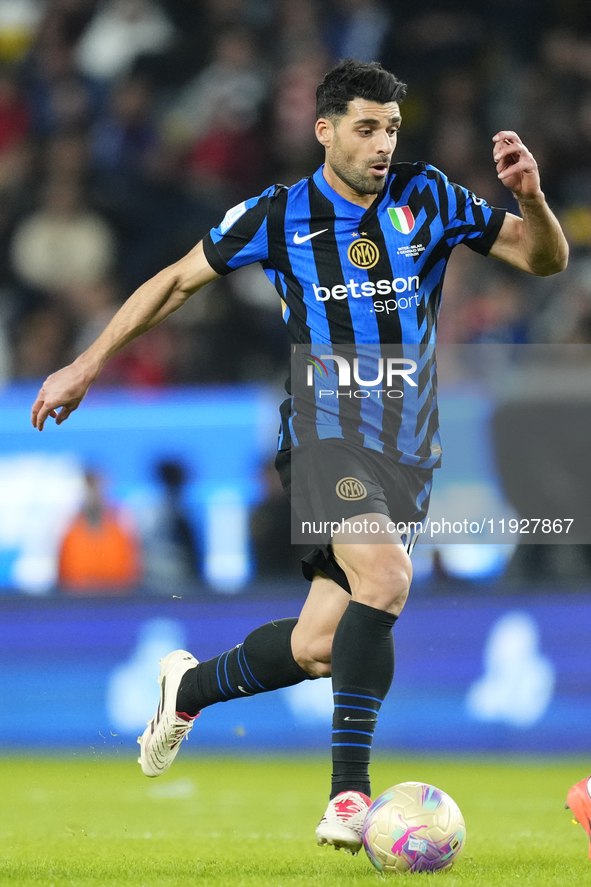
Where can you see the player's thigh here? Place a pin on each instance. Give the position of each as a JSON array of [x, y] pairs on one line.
[[375, 562], [311, 640]]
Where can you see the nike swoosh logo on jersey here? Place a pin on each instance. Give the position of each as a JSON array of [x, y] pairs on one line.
[[297, 239], [361, 720]]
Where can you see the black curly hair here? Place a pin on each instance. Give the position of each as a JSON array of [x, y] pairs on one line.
[[352, 79]]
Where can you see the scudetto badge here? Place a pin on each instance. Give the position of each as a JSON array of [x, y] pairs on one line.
[[350, 488], [363, 253]]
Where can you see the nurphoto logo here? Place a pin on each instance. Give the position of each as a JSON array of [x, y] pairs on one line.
[[386, 369]]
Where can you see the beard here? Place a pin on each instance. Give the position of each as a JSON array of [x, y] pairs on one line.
[[357, 176]]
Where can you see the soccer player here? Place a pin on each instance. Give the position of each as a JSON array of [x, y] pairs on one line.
[[335, 245]]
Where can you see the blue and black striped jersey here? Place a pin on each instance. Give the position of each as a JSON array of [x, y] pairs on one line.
[[347, 275]]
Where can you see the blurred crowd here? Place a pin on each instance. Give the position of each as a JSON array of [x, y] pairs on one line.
[[106, 547], [129, 127]]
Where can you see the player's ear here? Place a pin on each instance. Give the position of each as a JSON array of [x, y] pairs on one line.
[[324, 131]]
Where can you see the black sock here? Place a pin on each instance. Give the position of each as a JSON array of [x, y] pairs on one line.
[[263, 662], [362, 671]]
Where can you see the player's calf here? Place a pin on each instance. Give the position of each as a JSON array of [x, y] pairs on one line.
[[312, 637]]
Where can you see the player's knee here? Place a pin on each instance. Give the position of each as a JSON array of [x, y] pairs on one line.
[[390, 596], [387, 584]]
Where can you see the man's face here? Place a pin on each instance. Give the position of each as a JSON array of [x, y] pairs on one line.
[[360, 145]]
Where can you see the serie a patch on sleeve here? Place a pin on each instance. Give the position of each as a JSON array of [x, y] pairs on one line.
[[232, 216]]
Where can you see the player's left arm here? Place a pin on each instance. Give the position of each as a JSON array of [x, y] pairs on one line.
[[535, 242]]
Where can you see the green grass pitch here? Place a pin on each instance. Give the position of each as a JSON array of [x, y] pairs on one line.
[[219, 821]]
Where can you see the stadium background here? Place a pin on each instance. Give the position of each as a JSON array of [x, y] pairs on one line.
[[127, 129]]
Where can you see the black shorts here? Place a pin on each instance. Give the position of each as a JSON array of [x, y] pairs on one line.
[[333, 480]]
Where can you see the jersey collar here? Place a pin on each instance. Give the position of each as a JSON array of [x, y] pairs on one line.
[[346, 207]]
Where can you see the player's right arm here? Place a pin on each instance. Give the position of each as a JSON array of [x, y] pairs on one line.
[[148, 306]]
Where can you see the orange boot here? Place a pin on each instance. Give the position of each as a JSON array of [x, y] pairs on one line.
[[578, 801]]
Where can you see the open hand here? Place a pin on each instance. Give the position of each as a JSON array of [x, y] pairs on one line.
[[64, 389], [516, 166]]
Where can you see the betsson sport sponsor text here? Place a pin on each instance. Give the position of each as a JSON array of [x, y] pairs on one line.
[[368, 288]]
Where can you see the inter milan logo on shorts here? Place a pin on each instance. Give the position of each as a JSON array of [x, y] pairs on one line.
[[363, 253], [351, 488]]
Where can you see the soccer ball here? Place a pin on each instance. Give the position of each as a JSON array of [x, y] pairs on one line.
[[413, 827]]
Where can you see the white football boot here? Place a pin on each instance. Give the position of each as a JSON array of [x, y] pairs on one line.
[[162, 737], [342, 824]]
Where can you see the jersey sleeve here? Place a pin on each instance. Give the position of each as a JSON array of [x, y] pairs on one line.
[[241, 238], [468, 219]]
